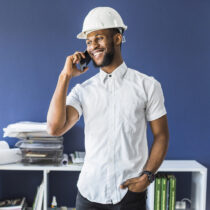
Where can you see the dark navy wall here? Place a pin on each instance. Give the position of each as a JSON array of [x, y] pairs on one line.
[[169, 40]]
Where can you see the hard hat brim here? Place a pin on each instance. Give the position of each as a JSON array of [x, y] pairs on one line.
[[83, 34]]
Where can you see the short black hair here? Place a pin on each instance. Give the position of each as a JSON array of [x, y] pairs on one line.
[[117, 30]]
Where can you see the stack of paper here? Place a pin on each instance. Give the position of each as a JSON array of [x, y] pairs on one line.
[[26, 129], [36, 145]]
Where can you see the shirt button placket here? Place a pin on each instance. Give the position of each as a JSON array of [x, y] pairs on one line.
[[110, 144], [108, 166], [114, 198], [111, 138]]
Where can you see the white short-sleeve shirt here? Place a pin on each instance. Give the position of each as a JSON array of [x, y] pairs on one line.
[[116, 108]]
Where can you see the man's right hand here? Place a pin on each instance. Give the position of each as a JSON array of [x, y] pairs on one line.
[[70, 67]]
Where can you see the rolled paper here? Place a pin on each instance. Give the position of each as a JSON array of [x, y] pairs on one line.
[[4, 145]]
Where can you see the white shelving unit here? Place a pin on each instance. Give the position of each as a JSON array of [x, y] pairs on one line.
[[198, 182]]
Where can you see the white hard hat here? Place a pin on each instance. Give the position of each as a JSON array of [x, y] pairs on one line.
[[101, 18]]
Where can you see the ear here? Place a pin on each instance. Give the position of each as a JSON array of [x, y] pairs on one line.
[[118, 39]]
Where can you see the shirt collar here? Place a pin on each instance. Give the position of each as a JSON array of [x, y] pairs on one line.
[[117, 74]]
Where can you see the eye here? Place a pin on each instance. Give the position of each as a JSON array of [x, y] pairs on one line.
[[88, 42], [100, 38]]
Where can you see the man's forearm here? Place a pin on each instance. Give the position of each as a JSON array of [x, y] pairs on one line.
[[157, 153], [56, 116]]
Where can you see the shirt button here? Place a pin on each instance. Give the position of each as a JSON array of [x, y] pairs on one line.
[[110, 75]]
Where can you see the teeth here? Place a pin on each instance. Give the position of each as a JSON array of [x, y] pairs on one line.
[[97, 53]]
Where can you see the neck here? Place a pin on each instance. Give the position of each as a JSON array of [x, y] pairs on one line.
[[116, 62]]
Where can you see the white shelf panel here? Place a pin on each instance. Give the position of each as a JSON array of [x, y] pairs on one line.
[[20, 166], [167, 165], [182, 166]]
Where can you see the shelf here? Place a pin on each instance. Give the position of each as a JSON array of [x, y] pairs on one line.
[[167, 165], [198, 182], [21, 166], [182, 165]]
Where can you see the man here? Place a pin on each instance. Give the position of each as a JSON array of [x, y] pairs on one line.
[[116, 103]]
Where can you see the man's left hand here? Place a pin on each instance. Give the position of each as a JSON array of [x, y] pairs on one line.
[[138, 184]]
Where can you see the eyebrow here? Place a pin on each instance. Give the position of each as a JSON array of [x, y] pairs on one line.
[[95, 36]]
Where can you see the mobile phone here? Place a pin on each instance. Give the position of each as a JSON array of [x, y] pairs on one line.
[[85, 61]]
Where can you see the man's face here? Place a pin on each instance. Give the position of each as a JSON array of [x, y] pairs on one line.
[[100, 47]]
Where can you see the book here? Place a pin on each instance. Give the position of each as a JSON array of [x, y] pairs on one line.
[[163, 191], [172, 192], [157, 192], [167, 193]]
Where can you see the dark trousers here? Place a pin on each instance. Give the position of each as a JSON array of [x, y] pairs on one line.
[[131, 201]]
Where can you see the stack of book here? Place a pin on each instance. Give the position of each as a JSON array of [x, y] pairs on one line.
[[165, 192]]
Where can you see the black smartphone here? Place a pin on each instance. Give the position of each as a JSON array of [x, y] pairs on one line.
[[85, 61]]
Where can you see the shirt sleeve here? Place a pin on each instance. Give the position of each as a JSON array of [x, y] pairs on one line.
[[73, 99], [155, 107]]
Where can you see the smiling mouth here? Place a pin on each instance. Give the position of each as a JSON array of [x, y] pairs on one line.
[[96, 54]]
